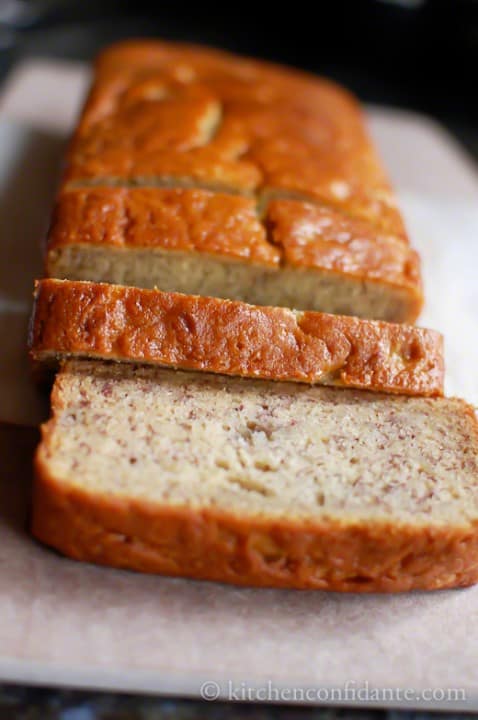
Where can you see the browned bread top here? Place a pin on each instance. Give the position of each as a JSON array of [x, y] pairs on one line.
[[85, 319], [190, 220], [184, 112], [233, 161]]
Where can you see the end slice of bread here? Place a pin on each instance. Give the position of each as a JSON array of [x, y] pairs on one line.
[[258, 483], [114, 322]]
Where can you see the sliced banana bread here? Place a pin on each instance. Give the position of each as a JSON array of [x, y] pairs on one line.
[[258, 483], [114, 322]]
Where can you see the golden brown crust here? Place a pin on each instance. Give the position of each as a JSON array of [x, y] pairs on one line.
[[319, 237], [190, 220], [111, 322], [291, 233], [161, 109], [263, 552]]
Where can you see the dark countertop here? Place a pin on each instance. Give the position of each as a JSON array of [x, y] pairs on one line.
[[420, 55], [20, 703]]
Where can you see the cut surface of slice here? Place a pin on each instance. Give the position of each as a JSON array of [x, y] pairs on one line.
[[258, 483]]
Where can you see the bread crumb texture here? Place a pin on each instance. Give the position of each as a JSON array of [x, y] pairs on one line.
[[259, 483]]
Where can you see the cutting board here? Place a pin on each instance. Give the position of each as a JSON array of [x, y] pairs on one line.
[[63, 623]]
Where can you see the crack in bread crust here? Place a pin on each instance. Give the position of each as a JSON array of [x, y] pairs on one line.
[[166, 182], [285, 233]]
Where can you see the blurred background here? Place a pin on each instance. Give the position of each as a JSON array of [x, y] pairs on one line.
[[416, 54]]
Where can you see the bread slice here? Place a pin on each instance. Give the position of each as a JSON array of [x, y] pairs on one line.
[[113, 322], [258, 483], [206, 173], [204, 243]]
